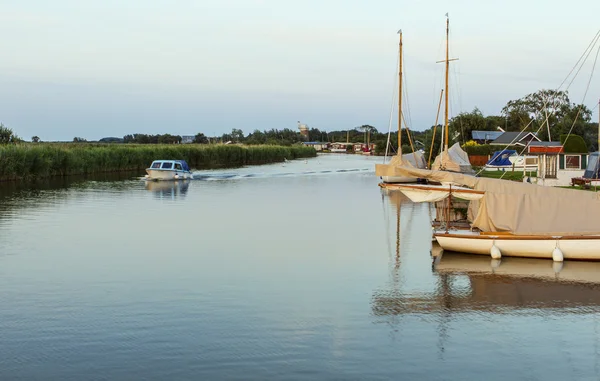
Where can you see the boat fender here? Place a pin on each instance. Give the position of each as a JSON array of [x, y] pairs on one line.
[[495, 252], [176, 176], [557, 255]]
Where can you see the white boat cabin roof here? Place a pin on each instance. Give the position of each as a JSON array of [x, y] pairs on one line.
[[170, 165]]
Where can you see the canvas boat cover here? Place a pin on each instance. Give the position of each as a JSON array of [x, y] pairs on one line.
[[500, 158], [414, 160], [523, 208], [184, 165], [593, 169], [454, 160]]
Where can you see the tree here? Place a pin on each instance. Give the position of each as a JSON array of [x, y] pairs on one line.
[[541, 110], [200, 138], [237, 135], [35, 139], [79, 140], [6, 134], [465, 123]]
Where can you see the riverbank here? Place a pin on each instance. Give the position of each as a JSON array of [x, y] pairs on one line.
[[42, 160]]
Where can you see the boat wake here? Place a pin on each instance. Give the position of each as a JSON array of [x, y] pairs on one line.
[[226, 176]]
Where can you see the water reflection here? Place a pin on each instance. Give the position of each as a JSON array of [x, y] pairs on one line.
[[168, 189], [518, 283]]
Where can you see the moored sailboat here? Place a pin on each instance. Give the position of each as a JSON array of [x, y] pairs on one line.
[[515, 219], [414, 159], [454, 158]]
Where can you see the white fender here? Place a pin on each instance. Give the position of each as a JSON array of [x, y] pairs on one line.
[[495, 252], [557, 255]]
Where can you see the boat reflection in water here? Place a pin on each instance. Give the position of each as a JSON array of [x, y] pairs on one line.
[[168, 189], [517, 283], [472, 283]]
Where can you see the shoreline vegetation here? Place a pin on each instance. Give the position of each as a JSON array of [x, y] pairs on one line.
[[28, 161]]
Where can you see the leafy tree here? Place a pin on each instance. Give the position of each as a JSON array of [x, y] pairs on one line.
[[466, 122], [237, 135], [256, 137], [200, 138], [79, 140], [547, 110], [35, 139], [6, 134]]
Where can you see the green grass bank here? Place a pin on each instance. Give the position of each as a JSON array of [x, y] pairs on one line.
[[40, 160]]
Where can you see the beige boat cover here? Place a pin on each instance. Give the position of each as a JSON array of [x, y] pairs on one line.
[[523, 208], [414, 160], [454, 159]]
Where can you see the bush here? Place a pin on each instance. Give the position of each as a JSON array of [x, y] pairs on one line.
[[575, 144]]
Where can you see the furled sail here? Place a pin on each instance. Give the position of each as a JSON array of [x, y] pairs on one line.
[[454, 159], [414, 160]]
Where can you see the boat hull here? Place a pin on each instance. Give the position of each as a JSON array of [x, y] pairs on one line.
[[158, 174], [572, 247]]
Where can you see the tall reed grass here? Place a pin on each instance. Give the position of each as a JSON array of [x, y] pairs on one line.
[[40, 160]]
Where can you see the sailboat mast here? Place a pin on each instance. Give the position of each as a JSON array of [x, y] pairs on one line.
[[400, 95], [446, 87]]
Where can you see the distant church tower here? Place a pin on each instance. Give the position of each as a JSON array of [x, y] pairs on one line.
[[303, 129]]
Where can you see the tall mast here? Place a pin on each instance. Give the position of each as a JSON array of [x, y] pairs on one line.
[[446, 87], [447, 61], [599, 125], [400, 95]]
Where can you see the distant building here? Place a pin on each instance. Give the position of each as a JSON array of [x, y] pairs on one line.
[[303, 129], [318, 146], [187, 139], [484, 137], [515, 138]]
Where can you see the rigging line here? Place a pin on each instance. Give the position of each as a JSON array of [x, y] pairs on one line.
[[584, 94], [589, 47], [586, 57], [555, 99], [395, 81], [546, 100], [535, 133], [405, 91]]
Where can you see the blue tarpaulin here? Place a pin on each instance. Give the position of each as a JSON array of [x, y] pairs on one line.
[[184, 165], [500, 158]]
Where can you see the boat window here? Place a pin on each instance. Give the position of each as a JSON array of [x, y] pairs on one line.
[[156, 164], [167, 166], [178, 166]]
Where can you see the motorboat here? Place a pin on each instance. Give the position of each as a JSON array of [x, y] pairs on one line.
[[509, 159], [169, 170]]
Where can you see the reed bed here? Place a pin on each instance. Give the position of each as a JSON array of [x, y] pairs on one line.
[[25, 161]]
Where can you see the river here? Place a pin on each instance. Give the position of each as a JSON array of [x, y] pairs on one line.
[[301, 270]]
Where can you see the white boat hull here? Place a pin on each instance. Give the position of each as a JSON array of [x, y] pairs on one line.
[[508, 168], [581, 248], [161, 174]]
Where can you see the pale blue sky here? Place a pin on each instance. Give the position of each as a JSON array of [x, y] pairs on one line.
[[107, 68]]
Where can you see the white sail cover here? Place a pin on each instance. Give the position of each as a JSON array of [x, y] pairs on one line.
[[523, 208], [414, 160], [454, 159]]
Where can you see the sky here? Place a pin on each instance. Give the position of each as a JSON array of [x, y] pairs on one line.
[[95, 68]]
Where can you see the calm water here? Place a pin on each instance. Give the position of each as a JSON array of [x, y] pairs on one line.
[[298, 271]]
